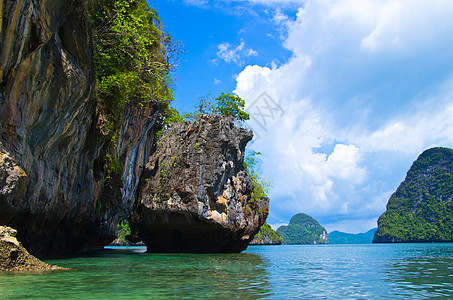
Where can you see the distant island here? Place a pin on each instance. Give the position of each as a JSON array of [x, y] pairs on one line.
[[267, 236], [338, 237], [421, 209], [303, 229]]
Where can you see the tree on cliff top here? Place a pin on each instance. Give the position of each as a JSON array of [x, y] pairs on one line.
[[226, 104], [231, 105]]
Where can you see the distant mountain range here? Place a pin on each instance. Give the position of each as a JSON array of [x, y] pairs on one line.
[[303, 229], [338, 237]]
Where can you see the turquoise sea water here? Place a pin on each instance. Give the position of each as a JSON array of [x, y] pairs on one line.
[[408, 271]]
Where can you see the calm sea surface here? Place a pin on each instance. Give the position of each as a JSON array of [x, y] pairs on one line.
[[415, 271]]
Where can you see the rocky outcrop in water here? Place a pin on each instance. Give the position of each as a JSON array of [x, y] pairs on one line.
[[421, 209], [14, 257], [195, 195], [266, 236], [52, 152]]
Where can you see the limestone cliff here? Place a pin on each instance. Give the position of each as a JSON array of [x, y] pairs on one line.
[[195, 195], [421, 209], [53, 155]]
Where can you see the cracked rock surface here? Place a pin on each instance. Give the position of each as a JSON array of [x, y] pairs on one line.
[[195, 195]]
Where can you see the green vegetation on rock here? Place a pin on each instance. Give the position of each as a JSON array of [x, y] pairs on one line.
[[337, 237], [226, 105], [260, 187], [303, 229], [266, 236], [123, 231], [421, 209], [131, 56], [231, 105]]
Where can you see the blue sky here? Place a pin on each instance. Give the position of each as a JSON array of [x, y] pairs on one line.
[[344, 94]]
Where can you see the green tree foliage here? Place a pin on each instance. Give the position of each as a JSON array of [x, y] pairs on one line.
[[267, 236], [131, 56], [260, 187], [302, 229], [225, 104], [421, 209], [123, 231], [231, 105]]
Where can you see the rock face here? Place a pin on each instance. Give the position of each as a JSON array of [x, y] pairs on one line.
[[52, 153], [266, 236], [195, 195], [14, 257], [303, 229], [421, 209]]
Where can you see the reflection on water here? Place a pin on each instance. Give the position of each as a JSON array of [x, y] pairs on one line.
[[118, 275], [416, 271]]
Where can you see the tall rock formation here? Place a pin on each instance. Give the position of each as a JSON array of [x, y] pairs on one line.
[[52, 153], [421, 209], [195, 195]]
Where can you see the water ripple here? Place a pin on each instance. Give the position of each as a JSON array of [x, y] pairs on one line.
[[416, 271]]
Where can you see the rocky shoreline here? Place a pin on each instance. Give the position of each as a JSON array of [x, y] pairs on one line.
[[15, 258]]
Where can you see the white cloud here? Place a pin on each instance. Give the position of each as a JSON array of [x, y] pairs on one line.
[[229, 53], [367, 89], [425, 126], [200, 3], [263, 2], [343, 164], [273, 2]]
